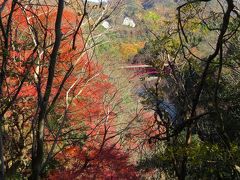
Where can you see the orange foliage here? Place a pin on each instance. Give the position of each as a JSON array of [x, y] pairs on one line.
[[130, 49]]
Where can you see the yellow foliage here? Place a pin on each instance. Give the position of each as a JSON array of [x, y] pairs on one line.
[[128, 50]]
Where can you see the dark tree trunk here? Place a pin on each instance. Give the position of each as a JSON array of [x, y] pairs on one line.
[[38, 150]]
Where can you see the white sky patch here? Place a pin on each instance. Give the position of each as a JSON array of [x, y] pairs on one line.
[[97, 1]]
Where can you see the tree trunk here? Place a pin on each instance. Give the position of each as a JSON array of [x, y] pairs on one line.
[[1, 152], [38, 151]]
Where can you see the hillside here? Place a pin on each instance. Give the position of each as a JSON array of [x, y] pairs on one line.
[[119, 89]]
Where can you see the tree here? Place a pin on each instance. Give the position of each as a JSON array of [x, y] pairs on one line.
[[45, 65], [193, 99]]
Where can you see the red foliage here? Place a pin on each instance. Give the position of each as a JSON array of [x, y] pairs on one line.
[[111, 163], [83, 97]]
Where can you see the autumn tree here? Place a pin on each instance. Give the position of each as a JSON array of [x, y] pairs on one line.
[[193, 98], [46, 52]]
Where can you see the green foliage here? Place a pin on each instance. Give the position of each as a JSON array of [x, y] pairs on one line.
[[151, 16], [205, 160], [214, 149]]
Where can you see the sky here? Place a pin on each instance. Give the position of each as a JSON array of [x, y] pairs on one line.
[[97, 1]]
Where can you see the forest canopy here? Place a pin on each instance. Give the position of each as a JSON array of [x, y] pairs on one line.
[[115, 89]]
